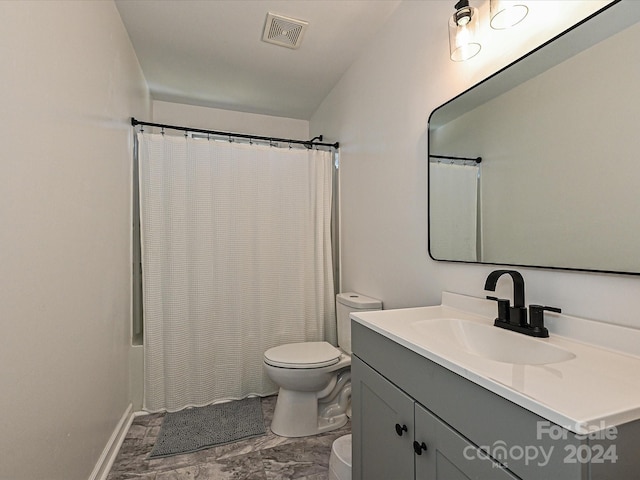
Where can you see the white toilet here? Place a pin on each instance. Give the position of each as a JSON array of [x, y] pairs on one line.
[[315, 377]]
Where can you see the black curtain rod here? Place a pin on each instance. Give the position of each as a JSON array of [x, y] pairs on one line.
[[306, 143], [451, 157]]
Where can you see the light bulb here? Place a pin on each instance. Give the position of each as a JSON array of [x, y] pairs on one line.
[[463, 32]]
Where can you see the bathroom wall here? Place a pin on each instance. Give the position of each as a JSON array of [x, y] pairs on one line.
[[228, 121], [70, 81], [378, 111]]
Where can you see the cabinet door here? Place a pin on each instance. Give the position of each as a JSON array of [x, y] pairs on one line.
[[382, 427], [450, 456]]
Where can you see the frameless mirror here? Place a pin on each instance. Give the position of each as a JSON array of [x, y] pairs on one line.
[[557, 131]]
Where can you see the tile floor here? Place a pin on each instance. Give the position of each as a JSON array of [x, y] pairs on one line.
[[261, 458]]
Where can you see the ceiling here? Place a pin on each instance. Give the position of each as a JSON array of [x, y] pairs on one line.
[[211, 53]]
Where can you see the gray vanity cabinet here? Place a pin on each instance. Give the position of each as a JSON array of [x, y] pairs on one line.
[[382, 427], [450, 456], [393, 385], [390, 428]]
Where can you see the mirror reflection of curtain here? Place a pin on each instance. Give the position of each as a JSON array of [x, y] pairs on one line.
[[453, 223], [236, 255]]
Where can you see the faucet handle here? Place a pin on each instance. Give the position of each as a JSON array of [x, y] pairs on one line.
[[503, 308], [536, 318]]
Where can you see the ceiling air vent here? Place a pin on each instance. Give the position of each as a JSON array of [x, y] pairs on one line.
[[284, 31]]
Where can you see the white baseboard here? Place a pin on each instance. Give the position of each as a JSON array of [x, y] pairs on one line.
[[102, 468]]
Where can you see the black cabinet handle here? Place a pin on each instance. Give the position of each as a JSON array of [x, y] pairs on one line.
[[400, 429], [419, 447]]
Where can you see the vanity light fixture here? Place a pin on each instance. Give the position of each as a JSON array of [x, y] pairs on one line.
[[507, 13], [463, 32], [464, 25]]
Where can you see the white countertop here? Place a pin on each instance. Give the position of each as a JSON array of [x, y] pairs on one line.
[[599, 388]]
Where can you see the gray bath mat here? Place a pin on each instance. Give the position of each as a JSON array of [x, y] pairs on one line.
[[198, 428]]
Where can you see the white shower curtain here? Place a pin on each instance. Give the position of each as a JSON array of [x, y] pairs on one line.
[[453, 191], [236, 256]]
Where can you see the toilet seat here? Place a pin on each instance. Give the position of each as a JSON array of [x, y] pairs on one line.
[[303, 355]]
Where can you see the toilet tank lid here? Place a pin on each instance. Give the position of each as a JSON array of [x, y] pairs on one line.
[[355, 300]]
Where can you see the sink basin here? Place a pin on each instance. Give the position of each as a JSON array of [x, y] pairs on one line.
[[491, 342]]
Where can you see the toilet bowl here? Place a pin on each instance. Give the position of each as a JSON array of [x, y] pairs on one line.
[[315, 377], [312, 397], [340, 460]]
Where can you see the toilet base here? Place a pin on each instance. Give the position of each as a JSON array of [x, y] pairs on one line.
[[296, 415]]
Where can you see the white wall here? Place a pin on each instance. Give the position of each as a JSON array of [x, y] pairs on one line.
[[378, 112], [229, 121], [70, 81]]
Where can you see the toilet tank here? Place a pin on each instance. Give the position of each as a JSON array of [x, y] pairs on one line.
[[346, 303]]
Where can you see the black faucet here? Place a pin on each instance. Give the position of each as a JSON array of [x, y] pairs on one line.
[[515, 318], [516, 315]]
